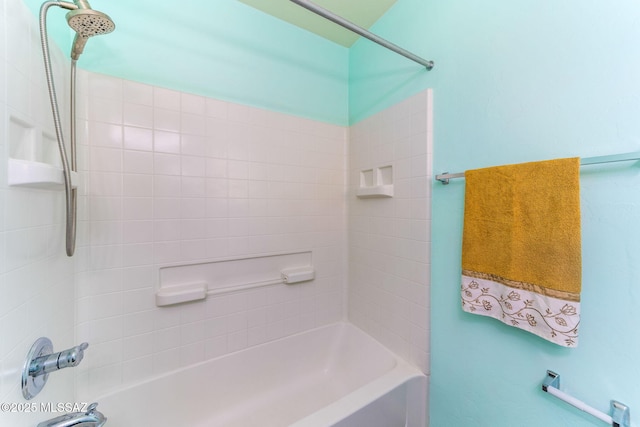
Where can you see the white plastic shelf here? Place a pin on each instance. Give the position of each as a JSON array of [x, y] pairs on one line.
[[376, 182], [27, 173], [377, 191]]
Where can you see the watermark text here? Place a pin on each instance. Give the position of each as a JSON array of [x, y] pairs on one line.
[[24, 407]]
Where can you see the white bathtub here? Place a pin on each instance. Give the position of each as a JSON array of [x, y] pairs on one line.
[[331, 376]]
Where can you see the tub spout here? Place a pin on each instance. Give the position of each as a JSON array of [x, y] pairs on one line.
[[91, 418]]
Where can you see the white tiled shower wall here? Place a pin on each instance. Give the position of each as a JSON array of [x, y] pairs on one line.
[[36, 277], [173, 178], [389, 238]]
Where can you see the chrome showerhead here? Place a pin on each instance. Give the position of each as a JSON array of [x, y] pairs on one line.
[[87, 22]]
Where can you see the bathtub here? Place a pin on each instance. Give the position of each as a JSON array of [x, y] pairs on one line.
[[330, 376]]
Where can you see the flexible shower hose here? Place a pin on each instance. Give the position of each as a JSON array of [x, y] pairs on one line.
[[70, 192]]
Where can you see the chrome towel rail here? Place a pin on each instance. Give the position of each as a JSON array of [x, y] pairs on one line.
[[336, 19], [619, 412], [445, 177]]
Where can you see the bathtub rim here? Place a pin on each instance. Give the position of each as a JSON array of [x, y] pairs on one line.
[[333, 412], [368, 393]]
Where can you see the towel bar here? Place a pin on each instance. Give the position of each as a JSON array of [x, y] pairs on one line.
[[445, 177], [619, 412]]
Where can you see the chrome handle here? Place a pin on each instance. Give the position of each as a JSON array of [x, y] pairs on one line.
[[72, 357], [55, 361]]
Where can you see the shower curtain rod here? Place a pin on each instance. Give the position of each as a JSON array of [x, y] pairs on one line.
[[361, 31], [445, 177]]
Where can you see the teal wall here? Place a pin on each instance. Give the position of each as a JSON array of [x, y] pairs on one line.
[[514, 82], [223, 49]]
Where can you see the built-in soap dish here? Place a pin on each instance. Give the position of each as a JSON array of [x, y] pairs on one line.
[[376, 182], [27, 173], [33, 159]]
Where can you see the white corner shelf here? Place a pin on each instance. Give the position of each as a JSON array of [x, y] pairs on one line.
[[27, 173], [377, 191], [376, 182]]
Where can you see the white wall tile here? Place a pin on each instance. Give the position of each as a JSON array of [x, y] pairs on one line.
[[193, 186], [137, 185], [180, 178], [167, 230], [167, 186], [193, 124], [216, 108], [166, 142], [193, 145], [137, 93], [166, 98], [105, 160], [137, 346], [139, 300], [104, 134], [138, 115], [35, 275], [166, 120], [106, 110], [389, 248], [137, 208], [135, 370], [105, 233], [193, 166], [138, 138], [167, 164], [138, 323], [138, 162], [193, 104]]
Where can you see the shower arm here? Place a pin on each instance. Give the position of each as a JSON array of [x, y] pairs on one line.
[[70, 192]]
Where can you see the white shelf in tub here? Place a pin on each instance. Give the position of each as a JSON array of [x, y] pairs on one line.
[[377, 191], [27, 173], [376, 182], [182, 283], [178, 294]]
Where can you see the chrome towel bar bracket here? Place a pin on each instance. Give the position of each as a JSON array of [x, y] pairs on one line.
[[619, 417]]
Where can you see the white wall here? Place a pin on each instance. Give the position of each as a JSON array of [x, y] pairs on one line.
[[36, 277], [173, 178], [389, 238]]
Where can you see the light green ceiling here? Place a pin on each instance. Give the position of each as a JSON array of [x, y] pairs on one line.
[[361, 12]]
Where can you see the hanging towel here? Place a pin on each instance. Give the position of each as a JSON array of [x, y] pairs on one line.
[[521, 249]]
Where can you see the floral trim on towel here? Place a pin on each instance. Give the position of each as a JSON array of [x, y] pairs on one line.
[[550, 318]]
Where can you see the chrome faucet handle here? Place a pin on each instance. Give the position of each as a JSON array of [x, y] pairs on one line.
[[41, 361], [55, 361], [72, 357]]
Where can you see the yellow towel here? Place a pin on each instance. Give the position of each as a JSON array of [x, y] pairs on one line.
[[521, 249]]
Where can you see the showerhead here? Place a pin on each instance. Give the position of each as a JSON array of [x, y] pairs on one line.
[[87, 22]]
